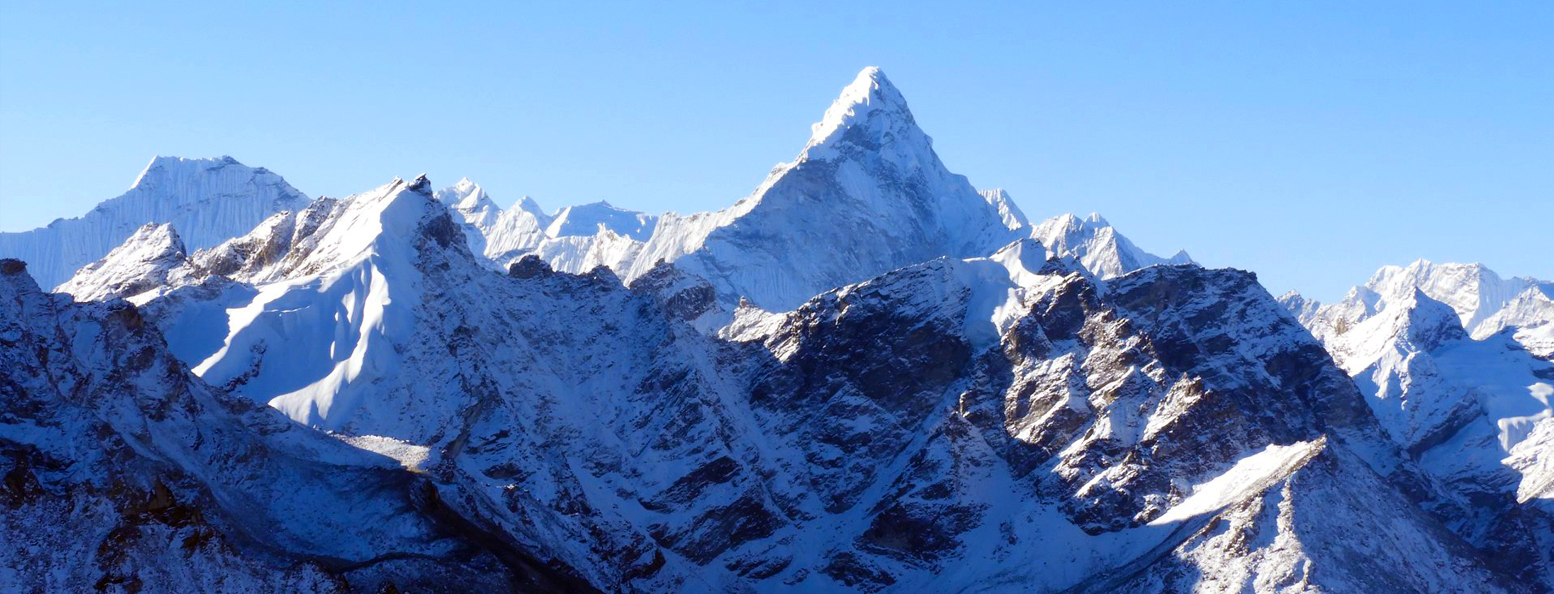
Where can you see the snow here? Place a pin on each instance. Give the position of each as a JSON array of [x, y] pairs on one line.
[[1533, 458], [411, 456], [139, 267], [1248, 477], [597, 217], [1514, 398], [1484, 302], [1401, 335], [319, 334], [1538, 340], [1096, 245], [867, 194], [1107, 420], [207, 200]]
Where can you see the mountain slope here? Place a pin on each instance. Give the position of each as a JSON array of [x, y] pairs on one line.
[[1466, 407], [866, 195], [141, 264], [207, 200], [937, 396], [124, 473], [873, 439]]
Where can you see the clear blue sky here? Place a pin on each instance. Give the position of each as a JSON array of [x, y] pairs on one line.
[[1310, 142]]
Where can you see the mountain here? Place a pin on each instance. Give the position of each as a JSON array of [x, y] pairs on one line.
[[906, 387], [575, 238], [873, 439], [867, 194], [125, 473], [207, 200], [1485, 303], [588, 219], [1097, 245], [140, 266], [1470, 407]]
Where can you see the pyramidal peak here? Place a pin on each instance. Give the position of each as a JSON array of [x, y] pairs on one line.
[[1429, 322], [870, 113], [464, 195], [1008, 212], [533, 207]]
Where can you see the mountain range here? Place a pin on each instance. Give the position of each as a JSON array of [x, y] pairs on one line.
[[865, 376]]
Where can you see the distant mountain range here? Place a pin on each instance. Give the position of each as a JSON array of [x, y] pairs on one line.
[[866, 376]]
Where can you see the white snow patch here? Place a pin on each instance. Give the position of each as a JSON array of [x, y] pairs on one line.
[[411, 456], [1248, 476]]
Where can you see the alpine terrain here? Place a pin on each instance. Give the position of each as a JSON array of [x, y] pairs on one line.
[[866, 376]]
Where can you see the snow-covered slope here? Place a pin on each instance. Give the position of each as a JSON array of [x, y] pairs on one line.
[[207, 200], [1464, 406], [588, 219], [140, 265], [575, 238], [1443, 341], [866, 195], [124, 473], [1009, 409]]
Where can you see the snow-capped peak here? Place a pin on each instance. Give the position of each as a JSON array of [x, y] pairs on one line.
[[1420, 322], [421, 185], [869, 93], [1484, 302], [1473, 290], [1097, 245], [163, 167], [464, 195], [529, 205], [871, 115], [377, 228], [208, 200], [140, 264]]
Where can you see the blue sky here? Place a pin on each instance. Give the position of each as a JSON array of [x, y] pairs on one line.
[[1311, 143]]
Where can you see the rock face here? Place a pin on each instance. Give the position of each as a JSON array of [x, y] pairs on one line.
[[207, 200]]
